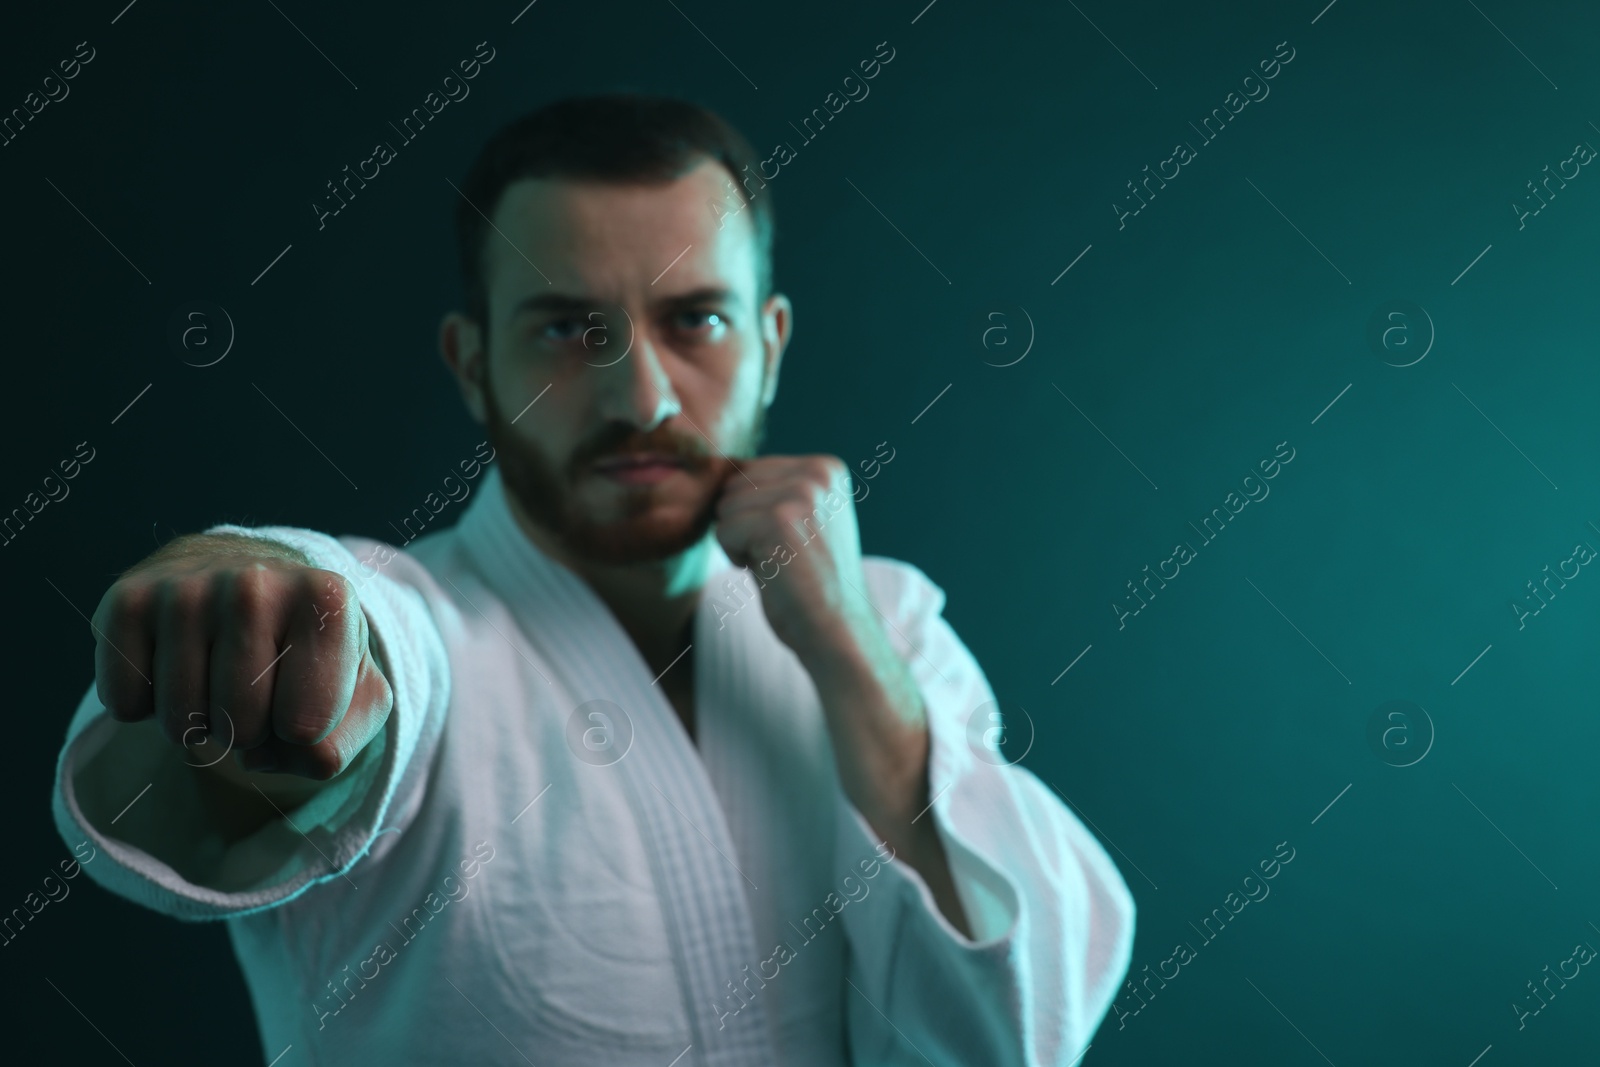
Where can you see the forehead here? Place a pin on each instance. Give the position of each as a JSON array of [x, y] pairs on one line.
[[616, 240]]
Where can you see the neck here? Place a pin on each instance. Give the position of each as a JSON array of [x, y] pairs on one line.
[[655, 602]]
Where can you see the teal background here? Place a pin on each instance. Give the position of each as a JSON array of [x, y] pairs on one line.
[[1220, 321]]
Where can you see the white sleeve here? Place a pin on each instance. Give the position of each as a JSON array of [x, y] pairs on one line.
[[1051, 916], [326, 836]]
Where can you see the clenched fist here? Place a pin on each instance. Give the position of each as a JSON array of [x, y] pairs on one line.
[[245, 645]]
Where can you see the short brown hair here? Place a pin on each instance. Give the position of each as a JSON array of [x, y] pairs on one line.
[[617, 137]]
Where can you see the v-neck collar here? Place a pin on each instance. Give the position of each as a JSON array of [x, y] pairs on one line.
[[589, 656], [488, 520]]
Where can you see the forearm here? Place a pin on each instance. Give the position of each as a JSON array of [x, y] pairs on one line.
[[142, 789], [204, 545], [878, 726]]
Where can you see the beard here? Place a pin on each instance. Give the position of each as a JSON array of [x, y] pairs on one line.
[[649, 522]]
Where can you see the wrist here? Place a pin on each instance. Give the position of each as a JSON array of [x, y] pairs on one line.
[[849, 647]]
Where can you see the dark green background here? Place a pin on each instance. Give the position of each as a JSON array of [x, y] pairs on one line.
[[1196, 339]]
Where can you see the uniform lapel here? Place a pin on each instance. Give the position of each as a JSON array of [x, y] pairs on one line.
[[692, 855]]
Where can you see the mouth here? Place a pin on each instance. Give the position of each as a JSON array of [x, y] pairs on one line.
[[639, 469]]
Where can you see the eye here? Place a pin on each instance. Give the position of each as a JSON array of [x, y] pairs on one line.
[[563, 330], [709, 324]]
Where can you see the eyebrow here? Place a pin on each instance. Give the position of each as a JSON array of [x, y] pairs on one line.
[[706, 294]]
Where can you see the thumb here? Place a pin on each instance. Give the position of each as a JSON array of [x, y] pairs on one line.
[[739, 534], [732, 545]]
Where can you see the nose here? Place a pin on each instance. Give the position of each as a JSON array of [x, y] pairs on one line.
[[636, 389]]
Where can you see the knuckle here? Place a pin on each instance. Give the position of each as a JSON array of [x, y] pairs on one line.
[[331, 599], [182, 600], [303, 729], [126, 606], [829, 468], [385, 701], [376, 696], [250, 593], [329, 589], [322, 762]]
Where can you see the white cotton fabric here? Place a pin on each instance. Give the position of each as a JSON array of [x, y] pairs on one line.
[[472, 891]]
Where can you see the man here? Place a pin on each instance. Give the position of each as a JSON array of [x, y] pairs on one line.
[[541, 787]]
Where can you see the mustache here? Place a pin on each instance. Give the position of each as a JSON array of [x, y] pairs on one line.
[[620, 440]]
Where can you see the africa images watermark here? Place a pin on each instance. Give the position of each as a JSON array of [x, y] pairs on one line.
[[470, 468], [452, 889], [1582, 154], [1583, 953], [1255, 489], [55, 491], [432, 504], [1582, 553], [785, 153], [1185, 153], [55, 891], [1184, 952], [784, 952], [12, 125], [383, 153]]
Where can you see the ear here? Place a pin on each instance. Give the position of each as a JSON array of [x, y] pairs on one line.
[[461, 348], [777, 326]]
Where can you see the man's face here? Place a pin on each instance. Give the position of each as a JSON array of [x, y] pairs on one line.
[[627, 318]]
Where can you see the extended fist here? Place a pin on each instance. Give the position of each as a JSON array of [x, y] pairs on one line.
[[243, 645]]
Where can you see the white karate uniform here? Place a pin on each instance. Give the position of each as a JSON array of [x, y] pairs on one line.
[[513, 874]]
